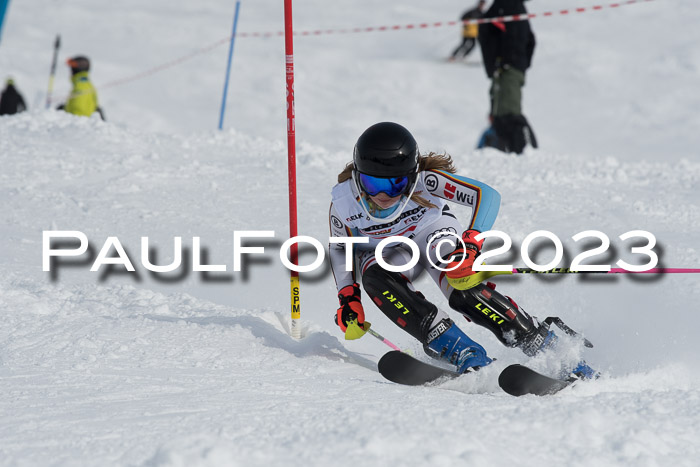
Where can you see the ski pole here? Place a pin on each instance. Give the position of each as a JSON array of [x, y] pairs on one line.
[[478, 277], [383, 339], [56, 46], [354, 331], [611, 271]]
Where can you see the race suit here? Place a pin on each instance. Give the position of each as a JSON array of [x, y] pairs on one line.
[[421, 224]]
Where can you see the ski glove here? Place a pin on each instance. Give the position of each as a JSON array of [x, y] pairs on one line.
[[462, 259], [350, 307]]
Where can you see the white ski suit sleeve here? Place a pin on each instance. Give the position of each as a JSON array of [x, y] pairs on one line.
[[484, 200], [336, 251]]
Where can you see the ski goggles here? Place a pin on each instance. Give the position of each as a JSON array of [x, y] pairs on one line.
[[393, 186]]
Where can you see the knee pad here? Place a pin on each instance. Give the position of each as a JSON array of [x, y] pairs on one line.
[[394, 295]]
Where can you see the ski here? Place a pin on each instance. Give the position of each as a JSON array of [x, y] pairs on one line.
[[401, 368], [516, 380], [519, 380]]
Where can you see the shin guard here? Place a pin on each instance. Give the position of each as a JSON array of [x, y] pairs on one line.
[[511, 325], [393, 294]]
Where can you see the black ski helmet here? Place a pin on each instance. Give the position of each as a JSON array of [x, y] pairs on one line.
[[386, 149], [78, 63]]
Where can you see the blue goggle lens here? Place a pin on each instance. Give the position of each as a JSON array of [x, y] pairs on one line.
[[393, 186]]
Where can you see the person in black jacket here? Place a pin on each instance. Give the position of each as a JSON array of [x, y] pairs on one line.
[[507, 50], [469, 31], [11, 101]]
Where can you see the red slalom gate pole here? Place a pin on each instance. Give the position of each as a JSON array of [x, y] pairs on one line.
[[291, 168]]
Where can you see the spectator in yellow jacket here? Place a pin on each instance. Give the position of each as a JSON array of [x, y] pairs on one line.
[[469, 32], [83, 96]]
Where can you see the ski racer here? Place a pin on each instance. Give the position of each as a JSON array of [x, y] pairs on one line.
[[391, 190]]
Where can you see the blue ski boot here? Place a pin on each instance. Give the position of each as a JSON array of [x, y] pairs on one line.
[[541, 338], [583, 371], [445, 341]]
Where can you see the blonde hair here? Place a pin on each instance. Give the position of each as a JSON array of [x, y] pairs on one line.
[[430, 161]]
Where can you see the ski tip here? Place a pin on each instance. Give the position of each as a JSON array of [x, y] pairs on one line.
[[401, 368], [518, 380], [509, 380]]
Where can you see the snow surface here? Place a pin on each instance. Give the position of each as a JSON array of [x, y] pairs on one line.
[[185, 369]]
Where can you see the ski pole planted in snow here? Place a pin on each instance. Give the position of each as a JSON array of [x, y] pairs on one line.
[[52, 74], [228, 66]]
